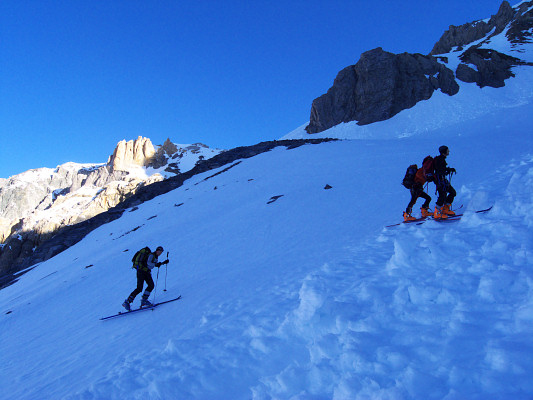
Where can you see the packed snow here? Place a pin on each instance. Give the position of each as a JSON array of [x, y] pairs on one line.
[[294, 291]]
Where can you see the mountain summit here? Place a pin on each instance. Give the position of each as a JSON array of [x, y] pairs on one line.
[[134, 152]]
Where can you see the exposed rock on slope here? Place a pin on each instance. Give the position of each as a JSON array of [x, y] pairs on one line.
[[132, 153], [379, 86], [459, 36], [382, 84], [491, 68]]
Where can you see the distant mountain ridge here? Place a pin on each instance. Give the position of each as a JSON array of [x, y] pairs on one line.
[[382, 84], [35, 204]]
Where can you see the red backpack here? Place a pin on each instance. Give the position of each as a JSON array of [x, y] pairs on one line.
[[427, 170]]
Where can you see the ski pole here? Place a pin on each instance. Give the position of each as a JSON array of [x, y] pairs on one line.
[[155, 289], [166, 271]]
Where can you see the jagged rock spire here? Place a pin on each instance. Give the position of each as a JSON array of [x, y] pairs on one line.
[[134, 152]]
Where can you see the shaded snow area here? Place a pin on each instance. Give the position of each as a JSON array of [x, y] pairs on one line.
[[294, 291]]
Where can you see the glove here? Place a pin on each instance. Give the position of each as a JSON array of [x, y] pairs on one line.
[[158, 264], [452, 171], [164, 262]]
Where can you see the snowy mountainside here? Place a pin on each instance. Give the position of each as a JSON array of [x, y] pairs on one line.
[[35, 204], [294, 291]]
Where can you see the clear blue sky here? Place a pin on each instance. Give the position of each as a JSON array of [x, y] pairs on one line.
[[76, 76]]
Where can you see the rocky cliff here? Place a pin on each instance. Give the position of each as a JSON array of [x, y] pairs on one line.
[[36, 204], [382, 84], [459, 36], [379, 86], [137, 152]]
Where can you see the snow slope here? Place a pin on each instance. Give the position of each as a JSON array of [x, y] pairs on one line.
[[307, 297]]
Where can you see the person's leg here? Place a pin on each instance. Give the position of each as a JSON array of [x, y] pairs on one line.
[[149, 288], [427, 199], [451, 195], [139, 288]]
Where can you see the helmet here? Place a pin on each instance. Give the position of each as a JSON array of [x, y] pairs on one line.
[[444, 150]]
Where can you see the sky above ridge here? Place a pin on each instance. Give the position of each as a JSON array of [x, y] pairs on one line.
[[76, 77]]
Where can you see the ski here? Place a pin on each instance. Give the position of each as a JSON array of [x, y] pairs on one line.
[[121, 313], [418, 221], [457, 217], [421, 219], [451, 218]]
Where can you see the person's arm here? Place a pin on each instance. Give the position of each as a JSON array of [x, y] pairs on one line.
[[151, 262]]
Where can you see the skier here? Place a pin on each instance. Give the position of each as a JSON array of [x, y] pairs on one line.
[[144, 266], [423, 175], [446, 191]]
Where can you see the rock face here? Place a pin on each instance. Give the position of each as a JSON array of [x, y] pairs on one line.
[[492, 68], [459, 36], [382, 84], [36, 204], [137, 152], [378, 87]]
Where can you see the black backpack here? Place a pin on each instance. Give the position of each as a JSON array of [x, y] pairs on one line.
[[409, 177], [141, 257]]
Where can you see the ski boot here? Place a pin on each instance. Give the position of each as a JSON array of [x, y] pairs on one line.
[[425, 212], [126, 305], [146, 303], [446, 210], [439, 213], [407, 217]]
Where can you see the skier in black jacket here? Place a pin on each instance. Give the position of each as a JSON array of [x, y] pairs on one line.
[[144, 274], [446, 191]]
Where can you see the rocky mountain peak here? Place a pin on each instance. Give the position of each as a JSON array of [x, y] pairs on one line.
[[378, 87], [459, 36], [169, 148], [382, 84], [136, 152]]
